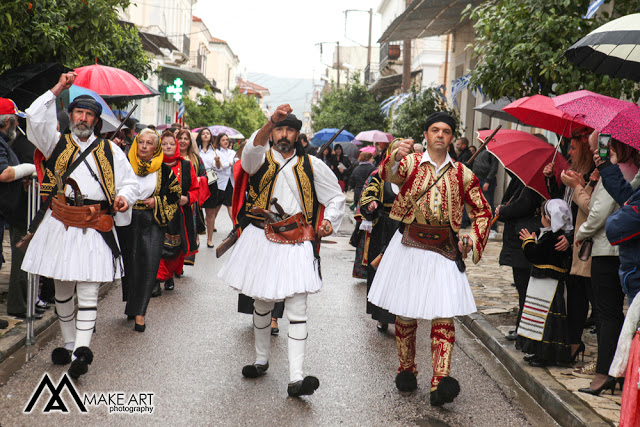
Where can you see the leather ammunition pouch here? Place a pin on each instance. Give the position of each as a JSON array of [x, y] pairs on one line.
[[436, 238], [89, 216], [294, 229]]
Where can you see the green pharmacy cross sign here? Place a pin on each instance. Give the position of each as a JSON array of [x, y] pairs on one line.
[[176, 89]]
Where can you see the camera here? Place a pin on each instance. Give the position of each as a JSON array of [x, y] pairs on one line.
[[604, 145]]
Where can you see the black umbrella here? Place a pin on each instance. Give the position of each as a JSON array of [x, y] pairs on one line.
[[612, 49], [494, 110], [26, 83]]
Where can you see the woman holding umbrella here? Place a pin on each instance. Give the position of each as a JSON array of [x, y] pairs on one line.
[[141, 241], [224, 160]]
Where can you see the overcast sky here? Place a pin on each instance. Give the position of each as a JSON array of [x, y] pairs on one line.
[[279, 37]]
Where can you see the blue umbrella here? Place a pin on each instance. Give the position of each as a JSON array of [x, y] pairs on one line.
[[325, 135], [109, 120]]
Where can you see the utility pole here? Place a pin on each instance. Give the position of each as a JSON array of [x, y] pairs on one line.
[[369, 47], [406, 62], [339, 65]]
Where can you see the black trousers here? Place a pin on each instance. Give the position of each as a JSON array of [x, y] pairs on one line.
[[141, 245], [521, 280], [609, 301], [578, 289]]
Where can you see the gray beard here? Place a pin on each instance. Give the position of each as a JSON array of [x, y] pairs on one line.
[[81, 133], [12, 135], [283, 147]]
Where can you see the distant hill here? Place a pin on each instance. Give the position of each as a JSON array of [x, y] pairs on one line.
[[295, 92]]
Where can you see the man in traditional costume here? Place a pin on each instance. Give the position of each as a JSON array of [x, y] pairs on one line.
[[421, 275], [276, 256], [75, 243]]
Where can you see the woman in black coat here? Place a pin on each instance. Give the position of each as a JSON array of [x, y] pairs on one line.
[[341, 166]]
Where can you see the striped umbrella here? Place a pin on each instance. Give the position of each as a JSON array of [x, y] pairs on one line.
[[611, 49]]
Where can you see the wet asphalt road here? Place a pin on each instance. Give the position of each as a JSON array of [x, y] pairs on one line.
[[195, 345]]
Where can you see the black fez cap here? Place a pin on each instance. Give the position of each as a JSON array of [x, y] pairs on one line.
[[87, 102], [291, 121], [443, 117]]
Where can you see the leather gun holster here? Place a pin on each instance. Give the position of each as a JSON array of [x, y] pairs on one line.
[[90, 216], [294, 229]]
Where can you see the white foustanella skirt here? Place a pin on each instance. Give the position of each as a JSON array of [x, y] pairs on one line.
[[420, 284], [70, 254], [270, 271]]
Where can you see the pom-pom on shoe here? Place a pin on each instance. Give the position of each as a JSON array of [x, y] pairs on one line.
[[61, 356], [448, 389], [80, 366], [303, 387], [254, 371], [406, 381]]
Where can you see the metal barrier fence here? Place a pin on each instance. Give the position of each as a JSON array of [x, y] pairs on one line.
[[33, 204]]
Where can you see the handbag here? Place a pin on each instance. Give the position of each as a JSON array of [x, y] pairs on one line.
[[172, 246], [212, 176], [585, 249]]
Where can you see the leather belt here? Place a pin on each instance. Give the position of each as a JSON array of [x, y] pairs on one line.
[[436, 238], [291, 230], [87, 216]]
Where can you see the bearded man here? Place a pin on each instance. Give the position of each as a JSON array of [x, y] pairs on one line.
[[78, 253], [421, 275], [276, 257]]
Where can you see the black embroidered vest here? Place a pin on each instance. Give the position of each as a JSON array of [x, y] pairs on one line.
[[261, 185], [63, 156]]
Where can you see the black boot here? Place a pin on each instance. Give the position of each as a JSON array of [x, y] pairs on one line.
[[254, 371], [406, 381], [156, 292], [168, 285], [61, 356]]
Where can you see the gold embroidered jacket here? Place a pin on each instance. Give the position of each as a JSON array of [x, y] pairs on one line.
[[458, 189], [166, 194]]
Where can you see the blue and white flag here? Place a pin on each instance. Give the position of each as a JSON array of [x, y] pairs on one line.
[[458, 86], [180, 110], [593, 8]]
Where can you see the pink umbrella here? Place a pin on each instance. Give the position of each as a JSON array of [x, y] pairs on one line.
[[374, 136], [540, 111], [369, 149], [619, 118]]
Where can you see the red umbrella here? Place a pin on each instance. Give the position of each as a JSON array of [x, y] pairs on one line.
[[619, 118], [111, 82], [526, 156], [540, 111]]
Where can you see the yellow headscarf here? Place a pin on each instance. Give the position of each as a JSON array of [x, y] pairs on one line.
[[142, 167]]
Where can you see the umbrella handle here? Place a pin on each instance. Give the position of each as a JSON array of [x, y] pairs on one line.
[[484, 144], [328, 143]]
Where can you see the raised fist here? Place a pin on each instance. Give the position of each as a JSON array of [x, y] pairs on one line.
[[405, 147], [281, 113]]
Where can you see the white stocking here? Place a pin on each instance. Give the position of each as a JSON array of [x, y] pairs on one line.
[[262, 329], [296, 307], [65, 310], [87, 312]]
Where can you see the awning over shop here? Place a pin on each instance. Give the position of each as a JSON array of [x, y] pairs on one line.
[[426, 18], [190, 76]]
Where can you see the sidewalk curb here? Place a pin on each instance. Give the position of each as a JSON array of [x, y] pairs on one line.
[[16, 339], [560, 403]]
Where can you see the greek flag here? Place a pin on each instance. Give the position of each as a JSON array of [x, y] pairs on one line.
[[593, 8], [458, 86], [180, 110]]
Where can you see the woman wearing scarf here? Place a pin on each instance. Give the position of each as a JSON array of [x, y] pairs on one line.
[[180, 238], [189, 152], [141, 241]]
